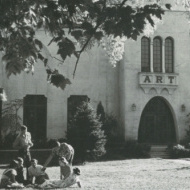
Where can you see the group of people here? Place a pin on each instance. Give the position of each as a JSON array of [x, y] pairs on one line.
[[36, 175]]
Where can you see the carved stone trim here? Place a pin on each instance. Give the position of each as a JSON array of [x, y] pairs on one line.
[[158, 89], [158, 82]]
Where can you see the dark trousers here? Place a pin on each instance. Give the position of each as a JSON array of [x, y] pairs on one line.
[[26, 156], [41, 179]]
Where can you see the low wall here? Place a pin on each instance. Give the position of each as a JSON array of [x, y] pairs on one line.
[[40, 154]]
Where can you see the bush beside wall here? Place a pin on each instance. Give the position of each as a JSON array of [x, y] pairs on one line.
[[179, 151]]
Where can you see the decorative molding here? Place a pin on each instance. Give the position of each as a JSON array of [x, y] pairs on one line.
[[158, 82]]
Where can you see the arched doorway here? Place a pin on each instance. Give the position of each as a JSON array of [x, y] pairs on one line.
[[157, 123]]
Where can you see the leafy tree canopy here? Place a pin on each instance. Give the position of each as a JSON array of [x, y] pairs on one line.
[[87, 21]]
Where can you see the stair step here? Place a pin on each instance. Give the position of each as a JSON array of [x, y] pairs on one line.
[[159, 151]]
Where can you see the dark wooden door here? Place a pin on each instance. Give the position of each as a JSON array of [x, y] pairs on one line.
[[157, 125], [35, 115]]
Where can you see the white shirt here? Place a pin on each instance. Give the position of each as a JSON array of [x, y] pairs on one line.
[[34, 172]]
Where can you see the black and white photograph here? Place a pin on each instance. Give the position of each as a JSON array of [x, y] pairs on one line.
[[95, 94]]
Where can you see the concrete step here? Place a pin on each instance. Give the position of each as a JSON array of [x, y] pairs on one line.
[[159, 151]]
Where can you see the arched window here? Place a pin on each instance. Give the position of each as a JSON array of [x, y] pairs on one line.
[[145, 54], [169, 55], [157, 54]]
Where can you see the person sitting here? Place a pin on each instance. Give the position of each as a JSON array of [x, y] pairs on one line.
[[20, 171], [70, 179], [61, 150], [8, 178], [37, 171], [65, 169]]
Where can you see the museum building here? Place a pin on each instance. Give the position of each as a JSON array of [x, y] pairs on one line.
[[148, 91]]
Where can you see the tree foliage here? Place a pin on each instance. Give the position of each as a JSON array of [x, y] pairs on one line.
[[100, 112], [88, 21], [10, 122], [85, 134]]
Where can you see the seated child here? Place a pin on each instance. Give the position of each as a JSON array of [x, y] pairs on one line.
[[70, 177], [20, 171], [37, 171], [8, 178], [65, 168]]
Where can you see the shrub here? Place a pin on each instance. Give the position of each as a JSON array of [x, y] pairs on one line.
[[10, 122], [133, 149], [100, 112], [85, 134], [179, 151], [8, 141], [110, 126]]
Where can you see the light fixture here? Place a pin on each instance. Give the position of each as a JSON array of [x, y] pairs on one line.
[[183, 107], [133, 107]]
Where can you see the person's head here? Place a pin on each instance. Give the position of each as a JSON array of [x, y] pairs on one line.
[[23, 129], [20, 161], [34, 163], [63, 146], [63, 161], [55, 143], [13, 164], [76, 171]]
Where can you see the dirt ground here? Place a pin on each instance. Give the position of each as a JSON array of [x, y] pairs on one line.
[[132, 174]]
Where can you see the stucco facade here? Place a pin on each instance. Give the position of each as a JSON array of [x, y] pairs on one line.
[[124, 91], [94, 78], [137, 91]]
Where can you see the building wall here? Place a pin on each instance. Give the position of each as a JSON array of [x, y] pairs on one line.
[[117, 88], [94, 77], [175, 24]]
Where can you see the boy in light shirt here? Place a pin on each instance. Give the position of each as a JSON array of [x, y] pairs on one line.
[[37, 171]]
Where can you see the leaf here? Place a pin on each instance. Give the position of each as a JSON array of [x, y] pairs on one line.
[[168, 6], [86, 26], [45, 62], [48, 71], [150, 20], [98, 35], [40, 56], [14, 67], [39, 43], [55, 39], [77, 34], [66, 48], [59, 80]]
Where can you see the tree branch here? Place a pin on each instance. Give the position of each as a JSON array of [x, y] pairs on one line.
[[57, 59], [83, 48], [124, 1]]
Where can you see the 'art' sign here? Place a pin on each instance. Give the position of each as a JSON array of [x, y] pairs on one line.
[[158, 79]]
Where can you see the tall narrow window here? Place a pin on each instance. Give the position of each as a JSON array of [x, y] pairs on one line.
[[157, 54], [35, 115], [145, 54], [169, 55]]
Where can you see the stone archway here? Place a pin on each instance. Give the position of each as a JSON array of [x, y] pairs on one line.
[[157, 123]]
